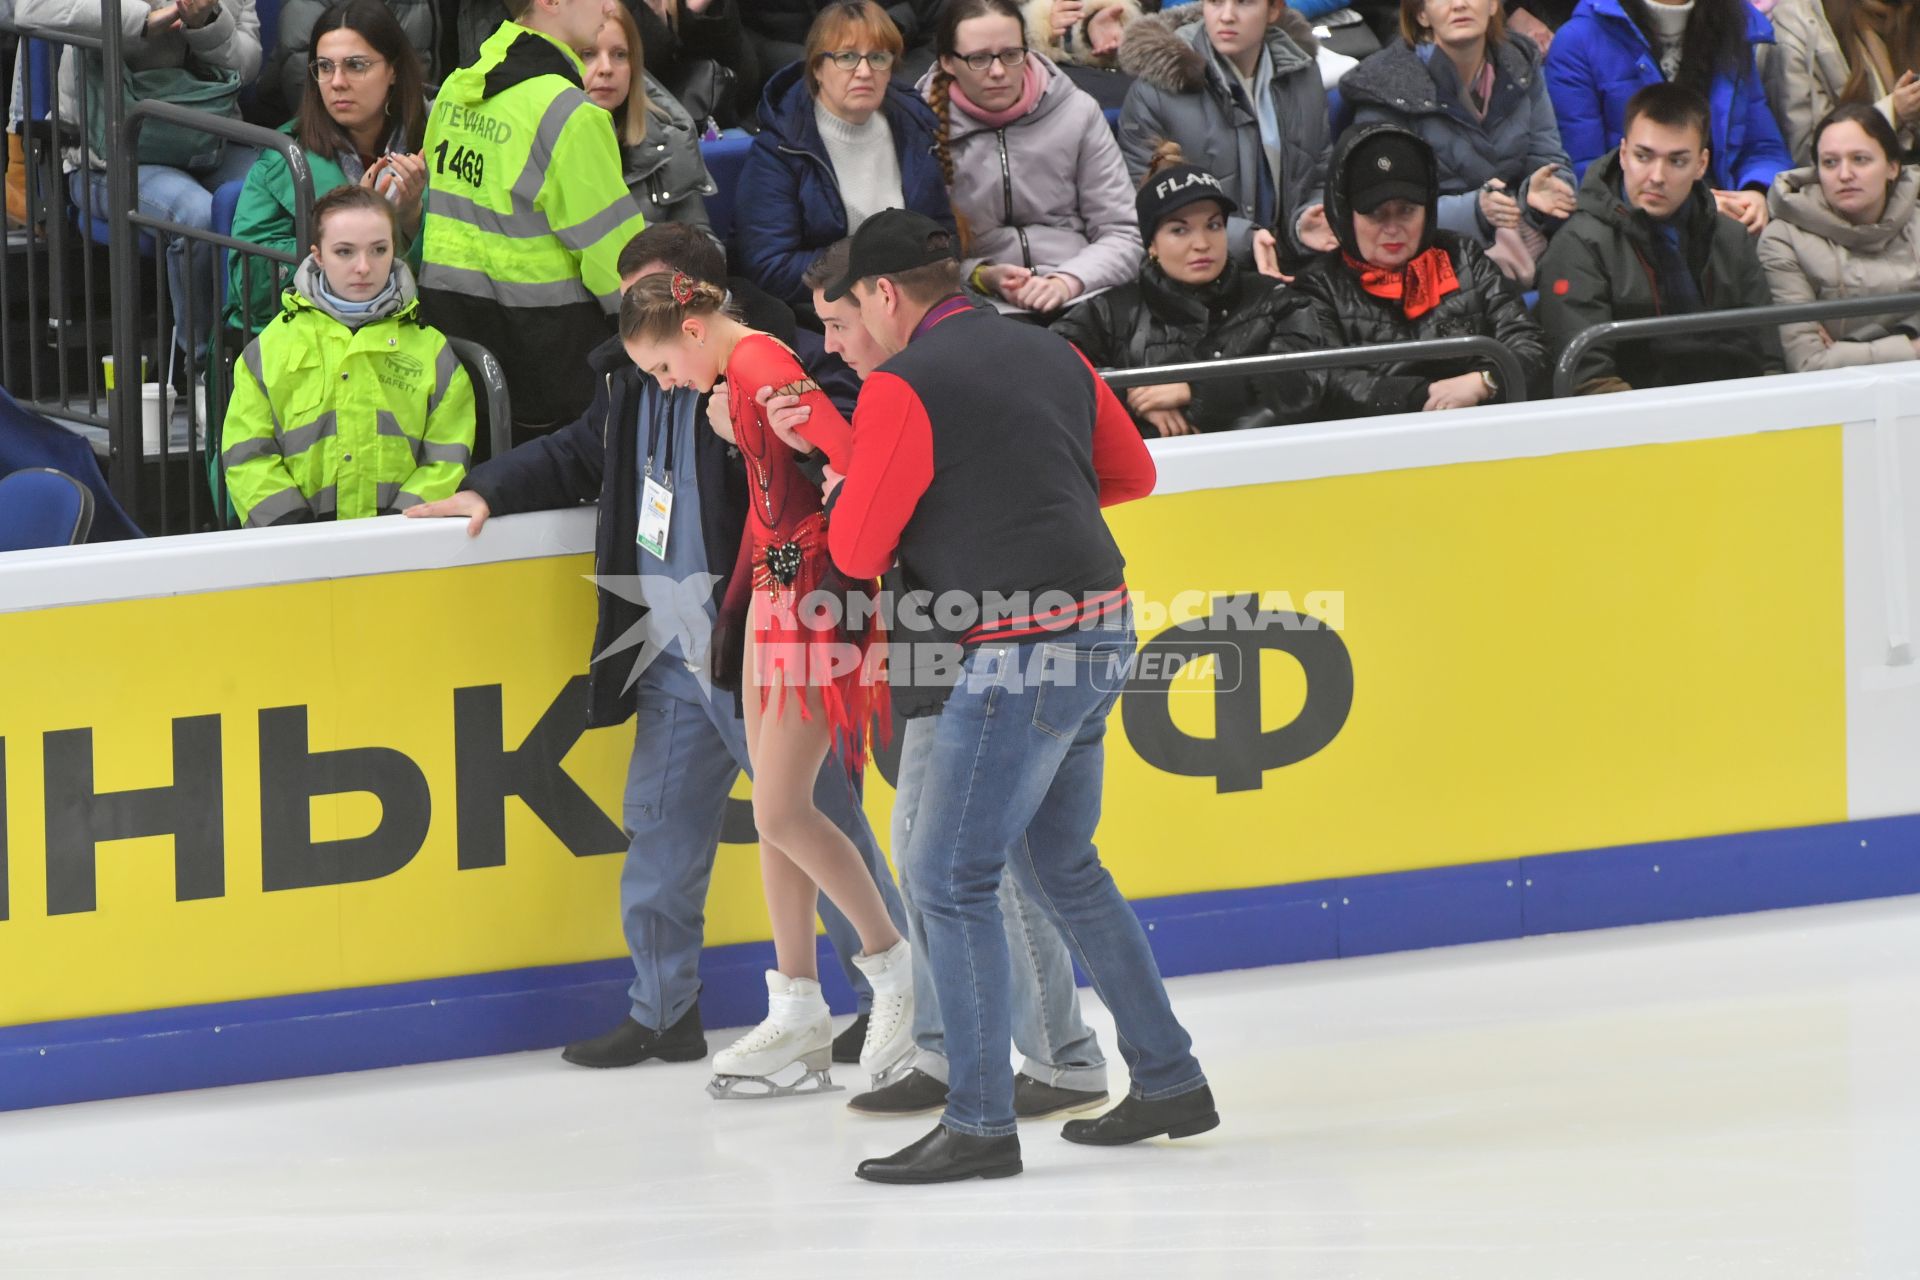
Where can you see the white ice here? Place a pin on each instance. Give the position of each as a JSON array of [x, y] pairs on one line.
[[1731, 1098]]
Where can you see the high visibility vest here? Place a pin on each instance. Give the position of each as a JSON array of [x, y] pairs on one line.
[[332, 421], [526, 203]]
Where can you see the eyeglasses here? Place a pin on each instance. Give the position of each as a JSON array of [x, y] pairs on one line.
[[356, 68], [1008, 58], [847, 59]]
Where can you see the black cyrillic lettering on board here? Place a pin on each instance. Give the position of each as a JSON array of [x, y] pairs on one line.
[[486, 772], [291, 775]]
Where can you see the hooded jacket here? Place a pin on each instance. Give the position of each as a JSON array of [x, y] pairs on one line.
[[1601, 267], [1184, 94], [1348, 316], [1156, 320], [1807, 71], [1600, 59], [1811, 253], [787, 206], [1048, 191], [1419, 89], [345, 415], [1072, 48], [665, 170]]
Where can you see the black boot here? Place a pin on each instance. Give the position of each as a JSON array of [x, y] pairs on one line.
[[914, 1093], [946, 1156], [1136, 1118], [847, 1045], [1036, 1099], [631, 1043]]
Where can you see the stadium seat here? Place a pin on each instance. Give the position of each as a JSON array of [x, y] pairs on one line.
[[42, 507], [725, 157], [1339, 114]]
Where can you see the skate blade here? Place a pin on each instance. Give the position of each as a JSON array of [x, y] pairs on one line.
[[759, 1088]]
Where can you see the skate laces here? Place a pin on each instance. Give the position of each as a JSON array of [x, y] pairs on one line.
[[884, 1019], [761, 1037]]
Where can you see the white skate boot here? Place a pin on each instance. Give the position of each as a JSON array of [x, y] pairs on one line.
[[890, 1023], [797, 1033]]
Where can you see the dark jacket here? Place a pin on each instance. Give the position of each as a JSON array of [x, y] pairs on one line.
[[1600, 268], [1155, 320], [1183, 95], [1418, 88], [1348, 316], [787, 206]]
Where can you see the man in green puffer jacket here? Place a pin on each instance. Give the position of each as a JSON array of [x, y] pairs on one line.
[[347, 405]]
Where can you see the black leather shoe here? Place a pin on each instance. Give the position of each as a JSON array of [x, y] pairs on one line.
[[631, 1043], [1036, 1099], [914, 1093], [1136, 1118], [847, 1045], [946, 1156]]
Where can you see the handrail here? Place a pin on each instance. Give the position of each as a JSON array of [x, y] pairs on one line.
[[1513, 377], [247, 135], [1709, 321]]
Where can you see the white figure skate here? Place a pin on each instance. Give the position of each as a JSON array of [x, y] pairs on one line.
[[796, 1039], [889, 1043]]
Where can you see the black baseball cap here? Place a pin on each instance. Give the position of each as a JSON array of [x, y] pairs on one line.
[[890, 242], [1172, 189], [1389, 165]]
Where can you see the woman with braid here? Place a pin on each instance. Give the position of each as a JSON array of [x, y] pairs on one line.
[[1039, 188]]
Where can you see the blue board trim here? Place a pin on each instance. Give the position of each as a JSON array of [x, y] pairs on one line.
[[84, 1059]]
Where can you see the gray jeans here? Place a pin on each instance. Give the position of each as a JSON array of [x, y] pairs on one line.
[[1058, 1047]]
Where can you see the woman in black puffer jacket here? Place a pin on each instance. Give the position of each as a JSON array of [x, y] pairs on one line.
[[1397, 278], [1192, 302]]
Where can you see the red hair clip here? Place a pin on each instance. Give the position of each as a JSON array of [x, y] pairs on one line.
[[682, 288]]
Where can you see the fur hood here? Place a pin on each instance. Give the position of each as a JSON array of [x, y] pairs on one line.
[[1162, 51], [1038, 15]]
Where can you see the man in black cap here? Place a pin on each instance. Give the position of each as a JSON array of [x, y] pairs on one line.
[[983, 450]]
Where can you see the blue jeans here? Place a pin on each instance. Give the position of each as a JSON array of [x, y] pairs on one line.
[[1019, 749], [688, 748], [1058, 1046], [185, 198]]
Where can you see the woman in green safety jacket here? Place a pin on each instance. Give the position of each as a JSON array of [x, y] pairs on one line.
[[347, 405], [362, 122]]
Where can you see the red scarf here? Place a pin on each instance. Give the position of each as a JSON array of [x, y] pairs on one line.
[[1418, 287]]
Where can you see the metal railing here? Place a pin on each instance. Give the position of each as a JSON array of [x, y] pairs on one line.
[[1713, 321], [1513, 376], [489, 393]]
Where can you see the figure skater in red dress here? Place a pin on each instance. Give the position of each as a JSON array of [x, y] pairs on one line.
[[805, 686]]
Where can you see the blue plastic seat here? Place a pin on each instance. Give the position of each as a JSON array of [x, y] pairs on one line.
[[41, 507]]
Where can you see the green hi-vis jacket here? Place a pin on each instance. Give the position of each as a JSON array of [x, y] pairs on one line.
[[527, 212], [329, 420]]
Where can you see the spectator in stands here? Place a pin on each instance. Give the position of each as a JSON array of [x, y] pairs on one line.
[[841, 142], [1611, 48], [1234, 84], [658, 139], [778, 32], [1827, 52], [1083, 33], [1039, 190], [291, 56], [527, 210], [1649, 240], [1399, 277], [1192, 301], [364, 127], [1846, 227], [349, 407], [183, 45], [1477, 96]]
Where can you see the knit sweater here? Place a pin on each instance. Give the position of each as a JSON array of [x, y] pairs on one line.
[[864, 164], [1669, 33]]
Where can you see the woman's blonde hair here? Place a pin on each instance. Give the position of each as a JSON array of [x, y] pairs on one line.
[[630, 117], [657, 305]]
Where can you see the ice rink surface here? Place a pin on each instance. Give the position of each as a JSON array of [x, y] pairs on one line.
[[1736, 1097]]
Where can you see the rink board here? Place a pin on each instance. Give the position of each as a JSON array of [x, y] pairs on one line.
[[1573, 668]]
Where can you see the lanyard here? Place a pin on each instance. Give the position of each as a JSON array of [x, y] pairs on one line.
[[659, 422]]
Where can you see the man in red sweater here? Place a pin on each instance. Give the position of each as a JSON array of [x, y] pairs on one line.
[[983, 450]]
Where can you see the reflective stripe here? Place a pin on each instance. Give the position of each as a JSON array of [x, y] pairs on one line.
[[529, 224], [526, 187], [385, 424], [584, 235], [267, 510], [251, 358], [406, 500], [445, 365], [508, 293], [324, 502], [247, 450], [301, 439], [384, 494], [430, 453]]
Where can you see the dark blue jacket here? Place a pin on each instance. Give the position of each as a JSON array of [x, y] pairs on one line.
[[787, 202], [1600, 59]]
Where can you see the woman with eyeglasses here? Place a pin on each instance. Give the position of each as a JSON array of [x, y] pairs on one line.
[[362, 126], [774, 33], [841, 142], [1039, 188]]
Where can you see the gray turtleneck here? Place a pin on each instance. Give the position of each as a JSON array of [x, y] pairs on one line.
[[864, 164]]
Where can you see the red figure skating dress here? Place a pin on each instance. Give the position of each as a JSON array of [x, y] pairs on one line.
[[784, 566]]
